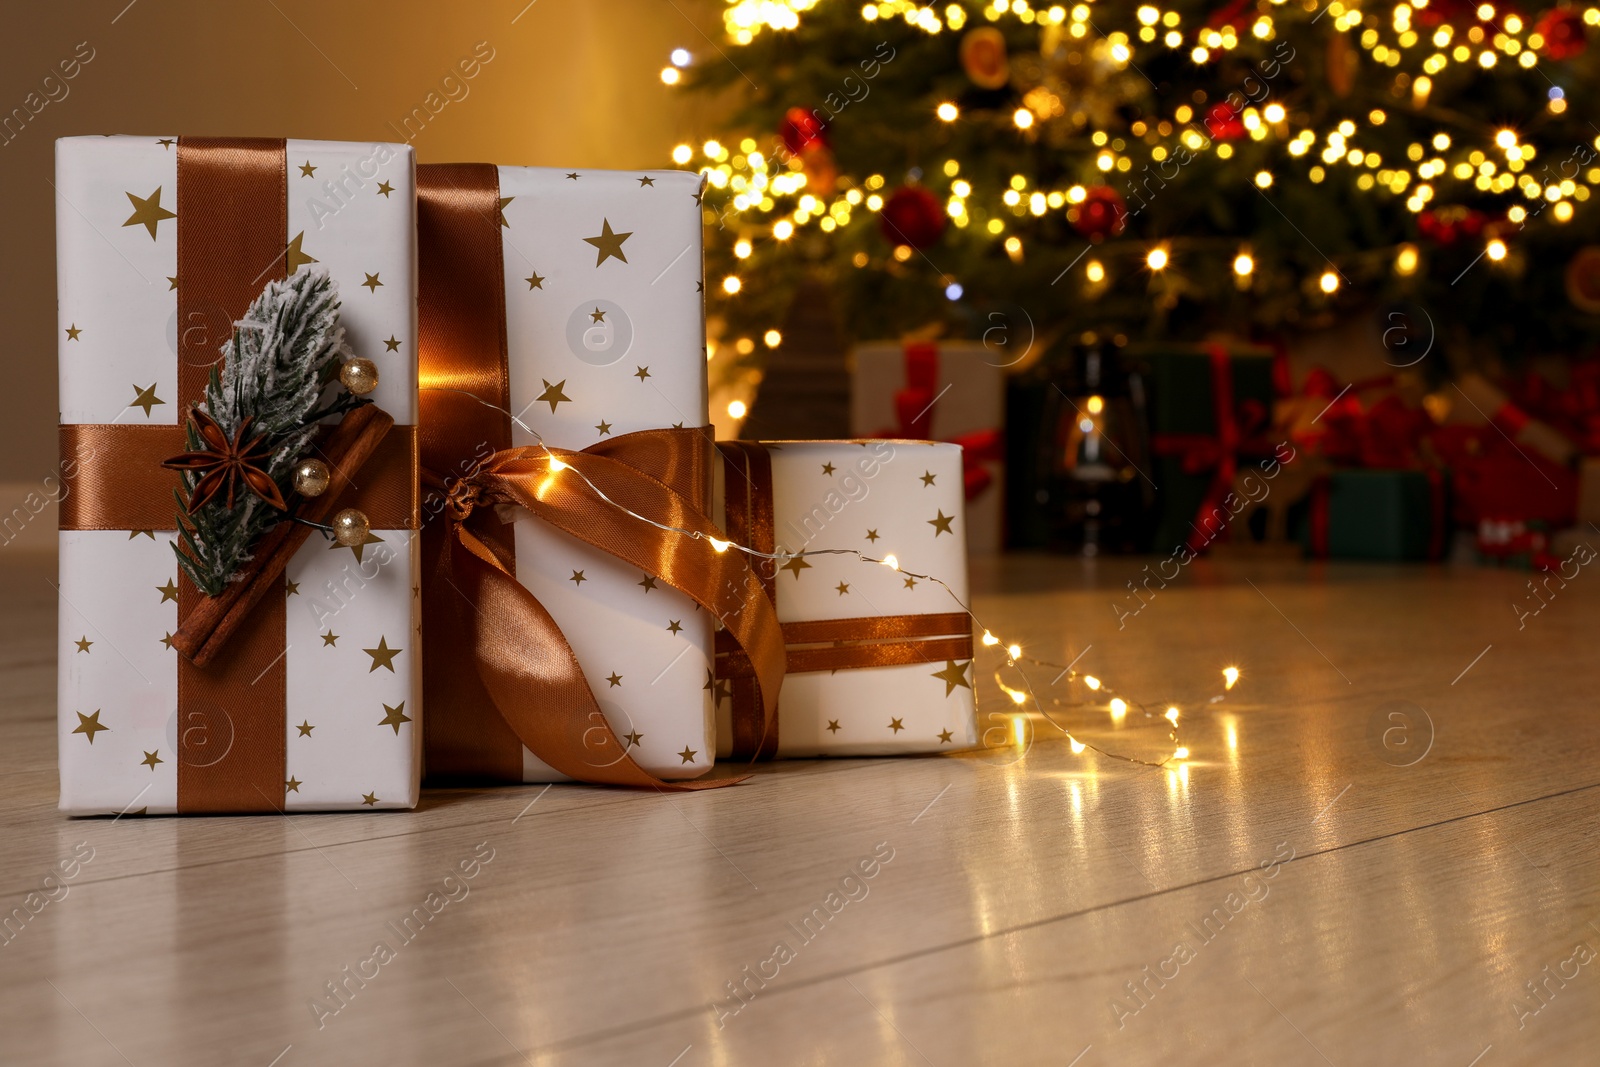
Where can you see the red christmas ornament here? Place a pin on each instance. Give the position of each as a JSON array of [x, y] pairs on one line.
[[1102, 214], [1448, 225], [1583, 280], [984, 58], [1562, 30], [820, 168], [912, 216], [1224, 124], [800, 129], [1452, 11]]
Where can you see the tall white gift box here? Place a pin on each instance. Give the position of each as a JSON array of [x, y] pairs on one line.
[[318, 708], [596, 331]]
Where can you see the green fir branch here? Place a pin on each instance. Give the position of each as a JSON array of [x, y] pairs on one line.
[[283, 356]]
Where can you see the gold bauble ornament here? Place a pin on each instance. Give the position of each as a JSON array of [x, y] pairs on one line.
[[311, 477], [359, 375], [350, 527]]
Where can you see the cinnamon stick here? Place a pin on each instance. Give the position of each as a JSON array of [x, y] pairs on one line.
[[349, 445]]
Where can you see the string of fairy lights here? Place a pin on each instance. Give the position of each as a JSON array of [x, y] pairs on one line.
[[772, 201], [1116, 705]]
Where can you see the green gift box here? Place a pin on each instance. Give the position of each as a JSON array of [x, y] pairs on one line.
[[1185, 438], [1390, 515]]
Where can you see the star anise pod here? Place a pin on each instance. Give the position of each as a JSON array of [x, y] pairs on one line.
[[225, 464]]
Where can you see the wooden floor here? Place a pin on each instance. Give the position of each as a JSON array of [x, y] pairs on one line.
[[1324, 884]]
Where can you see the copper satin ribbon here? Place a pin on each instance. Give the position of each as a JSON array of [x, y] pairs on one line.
[[116, 481], [232, 223], [498, 672], [817, 645]]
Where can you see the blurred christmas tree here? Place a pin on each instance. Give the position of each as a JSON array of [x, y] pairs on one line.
[[1254, 166]]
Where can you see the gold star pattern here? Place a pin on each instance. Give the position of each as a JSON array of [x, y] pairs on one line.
[[872, 535], [295, 257], [608, 242], [647, 582], [827, 468], [833, 726], [135, 533], [843, 587], [942, 524], [500, 210], [331, 640], [73, 331], [384, 189], [795, 565], [572, 175], [642, 373], [172, 282], [597, 315], [148, 212], [382, 656], [896, 725], [615, 679], [954, 674], [369, 799], [145, 398], [674, 626], [633, 738], [392, 344], [577, 578], [646, 180], [307, 170], [372, 282], [372, 539], [535, 280], [89, 724], [167, 640], [911, 583], [687, 754], [168, 591], [395, 717], [291, 588], [603, 427], [945, 737], [83, 643], [927, 478], [292, 785], [166, 142], [552, 394], [305, 727], [151, 759]]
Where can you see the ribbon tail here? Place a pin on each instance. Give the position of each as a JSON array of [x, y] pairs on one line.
[[533, 677]]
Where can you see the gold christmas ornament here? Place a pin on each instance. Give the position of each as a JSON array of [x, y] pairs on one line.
[[311, 477], [359, 375], [350, 527]]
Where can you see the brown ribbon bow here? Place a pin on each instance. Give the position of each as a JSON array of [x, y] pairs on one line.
[[525, 664]]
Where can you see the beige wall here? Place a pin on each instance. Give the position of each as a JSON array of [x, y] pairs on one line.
[[572, 82]]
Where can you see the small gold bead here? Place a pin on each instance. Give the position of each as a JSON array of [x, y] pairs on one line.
[[359, 375], [350, 527], [312, 477]]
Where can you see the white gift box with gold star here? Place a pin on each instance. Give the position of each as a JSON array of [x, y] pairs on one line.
[[605, 335], [894, 501], [349, 666]]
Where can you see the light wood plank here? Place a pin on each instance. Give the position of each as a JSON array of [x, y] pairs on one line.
[[607, 924]]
